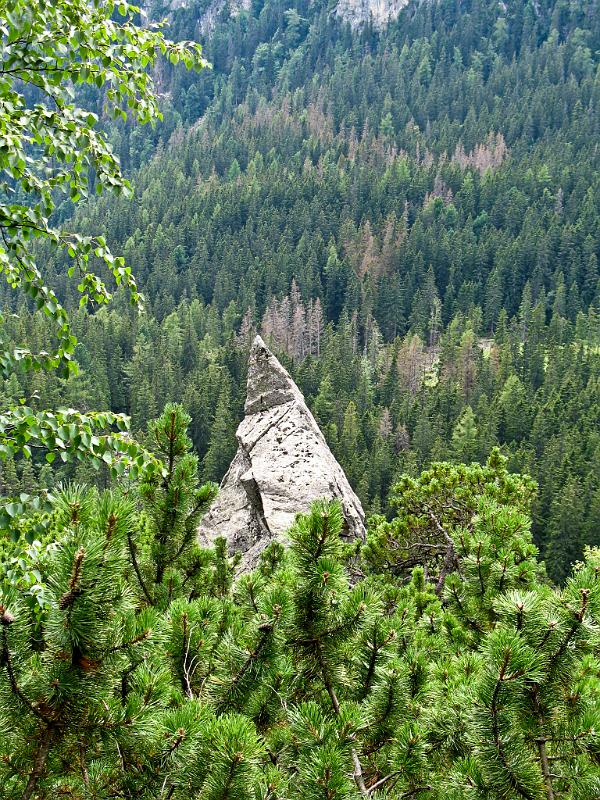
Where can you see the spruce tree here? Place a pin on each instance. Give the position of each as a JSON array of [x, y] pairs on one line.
[[464, 436]]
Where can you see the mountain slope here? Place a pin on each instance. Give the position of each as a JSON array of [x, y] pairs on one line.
[[452, 163], [416, 208]]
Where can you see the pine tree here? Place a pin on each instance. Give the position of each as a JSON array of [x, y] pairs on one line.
[[325, 617], [463, 674], [165, 556], [437, 506], [62, 649], [533, 725], [516, 409], [566, 525]]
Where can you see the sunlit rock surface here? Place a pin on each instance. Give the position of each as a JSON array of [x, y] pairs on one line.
[[378, 12], [283, 463]]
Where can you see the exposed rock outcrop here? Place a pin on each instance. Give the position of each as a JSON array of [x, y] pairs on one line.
[[282, 465], [207, 17], [379, 12]]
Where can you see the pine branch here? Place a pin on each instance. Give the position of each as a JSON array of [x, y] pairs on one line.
[[186, 679], [234, 762], [376, 648], [136, 568], [481, 583], [265, 629], [39, 763], [503, 575], [252, 597], [450, 558], [494, 708], [472, 623], [358, 774], [371, 667], [177, 743], [323, 537], [69, 597], [381, 781], [348, 625], [188, 537], [7, 661], [579, 615], [541, 741], [125, 680], [211, 656], [84, 769], [141, 637], [171, 446], [551, 628], [388, 706]]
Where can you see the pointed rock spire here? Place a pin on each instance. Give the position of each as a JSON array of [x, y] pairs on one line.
[[282, 465]]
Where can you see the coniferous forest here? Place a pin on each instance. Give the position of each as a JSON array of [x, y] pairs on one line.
[[409, 215]]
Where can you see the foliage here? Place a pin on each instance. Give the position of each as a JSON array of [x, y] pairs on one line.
[[293, 681], [445, 503], [50, 141], [51, 146], [383, 415], [169, 563], [70, 434], [409, 216]]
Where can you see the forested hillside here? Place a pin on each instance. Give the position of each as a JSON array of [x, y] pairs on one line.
[[410, 216]]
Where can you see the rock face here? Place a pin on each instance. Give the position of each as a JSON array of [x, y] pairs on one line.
[[379, 12], [207, 18], [282, 465]]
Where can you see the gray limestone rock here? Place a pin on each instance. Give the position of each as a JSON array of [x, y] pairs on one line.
[[282, 465], [379, 13]]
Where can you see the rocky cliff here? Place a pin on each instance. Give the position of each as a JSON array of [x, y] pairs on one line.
[[357, 12], [208, 12], [282, 464], [215, 8], [378, 12]]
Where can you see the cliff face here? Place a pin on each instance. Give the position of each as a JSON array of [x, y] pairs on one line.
[[379, 12], [282, 465], [208, 16], [357, 12]]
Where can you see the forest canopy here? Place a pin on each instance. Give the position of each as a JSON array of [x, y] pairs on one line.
[[133, 665], [410, 217], [418, 206]]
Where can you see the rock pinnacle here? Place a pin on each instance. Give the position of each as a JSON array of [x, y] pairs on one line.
[[282, 465]]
